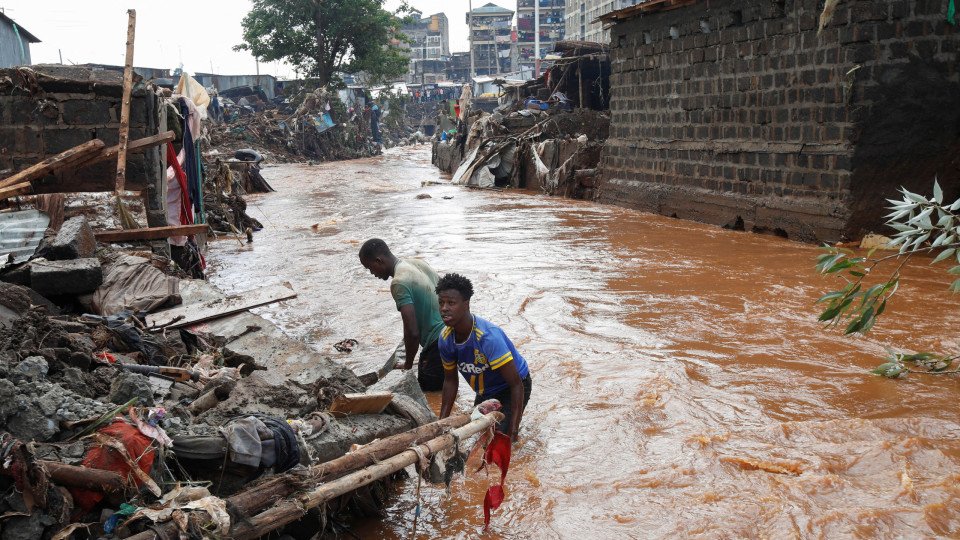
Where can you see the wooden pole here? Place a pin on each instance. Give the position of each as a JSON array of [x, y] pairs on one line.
[[291, 510], [125, 104], [257, 497]]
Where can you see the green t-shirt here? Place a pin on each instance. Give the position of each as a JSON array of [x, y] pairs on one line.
[[414, 282]]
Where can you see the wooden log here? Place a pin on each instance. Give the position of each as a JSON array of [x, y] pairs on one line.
[[125, 104], [84, 477], [15, 190], [150, 233], [54, 163], [291, 510], [257, 497]]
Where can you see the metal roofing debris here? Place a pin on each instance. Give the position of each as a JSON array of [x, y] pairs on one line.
[[20, 234], [644, 7]]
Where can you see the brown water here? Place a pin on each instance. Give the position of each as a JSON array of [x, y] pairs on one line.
[[682, 386]]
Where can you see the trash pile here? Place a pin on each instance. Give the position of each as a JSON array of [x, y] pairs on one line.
[[547, 134], [315, 125], [136, 402]]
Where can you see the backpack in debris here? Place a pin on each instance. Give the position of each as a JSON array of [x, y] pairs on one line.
[[285, 443]]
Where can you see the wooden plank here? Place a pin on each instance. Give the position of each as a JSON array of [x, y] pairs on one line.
[[372, 403], [138, 145], [151, 233], [125, 104], [54, 163], [204, 311], [15, 190]]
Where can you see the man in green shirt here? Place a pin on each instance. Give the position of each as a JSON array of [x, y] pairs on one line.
[[413, 290]]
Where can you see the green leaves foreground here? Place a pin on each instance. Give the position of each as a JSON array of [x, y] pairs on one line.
[[923, 225]]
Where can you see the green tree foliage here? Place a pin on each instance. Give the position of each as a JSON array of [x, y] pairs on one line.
[[922, 225], [323, 37]]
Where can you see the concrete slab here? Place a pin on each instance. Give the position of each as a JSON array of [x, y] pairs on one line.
[[54, 278], [75, 240]]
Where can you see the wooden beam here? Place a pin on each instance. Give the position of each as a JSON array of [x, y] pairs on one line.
[[15, 190], [138, 145], [125, 104], [54, 163], [189, 314], [151, 233]]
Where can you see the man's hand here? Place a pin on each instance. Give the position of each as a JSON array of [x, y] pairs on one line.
[[403, 365]]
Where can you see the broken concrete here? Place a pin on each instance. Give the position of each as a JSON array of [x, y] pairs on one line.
[[54, 278], [129, 385], [75, 240]]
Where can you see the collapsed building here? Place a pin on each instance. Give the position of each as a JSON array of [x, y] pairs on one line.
[[795, 117], [546, 134]]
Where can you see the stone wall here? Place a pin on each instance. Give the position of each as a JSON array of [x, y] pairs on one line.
[[53, 108], [746, 114]]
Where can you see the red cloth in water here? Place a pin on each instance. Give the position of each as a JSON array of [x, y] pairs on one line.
[[498, 452], [108, 459]]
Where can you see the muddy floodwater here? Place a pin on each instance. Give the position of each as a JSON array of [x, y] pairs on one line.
[[681, 384]]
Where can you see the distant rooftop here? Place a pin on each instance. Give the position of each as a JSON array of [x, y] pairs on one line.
[[492, 9]]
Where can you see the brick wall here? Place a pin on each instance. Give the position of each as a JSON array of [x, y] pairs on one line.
[[62, 107], [743, 114]]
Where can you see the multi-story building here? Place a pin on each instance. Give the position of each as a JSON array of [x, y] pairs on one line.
[[429, 47], [458, 70], [552, 29], [581, 18], [491, 39]]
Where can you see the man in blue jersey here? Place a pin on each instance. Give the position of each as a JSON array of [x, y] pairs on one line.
[[482, 353]]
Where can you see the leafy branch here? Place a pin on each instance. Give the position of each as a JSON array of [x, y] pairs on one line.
[[858, 307]]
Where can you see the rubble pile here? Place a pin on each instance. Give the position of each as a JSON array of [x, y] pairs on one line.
[[320, 128], [96, 385], [547, 134]]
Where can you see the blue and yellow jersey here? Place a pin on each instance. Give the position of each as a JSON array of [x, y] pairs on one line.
[[485, 351]]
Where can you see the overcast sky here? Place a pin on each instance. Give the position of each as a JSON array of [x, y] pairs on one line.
[[198, 33]]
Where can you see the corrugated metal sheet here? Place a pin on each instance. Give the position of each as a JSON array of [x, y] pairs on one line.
[[20, 234], [14, 43]]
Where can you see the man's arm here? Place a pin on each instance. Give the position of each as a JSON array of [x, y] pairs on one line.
[[411, 336], [512, 377], [450, 385]]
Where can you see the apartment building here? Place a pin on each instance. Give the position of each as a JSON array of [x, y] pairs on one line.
[[581, 18], [492, 39], [429, 47], [552, 29]]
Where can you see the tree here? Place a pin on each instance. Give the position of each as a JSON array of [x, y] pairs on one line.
[[323, 37], [923, 225]]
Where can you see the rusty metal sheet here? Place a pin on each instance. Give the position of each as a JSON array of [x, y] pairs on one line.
[[20, 234]]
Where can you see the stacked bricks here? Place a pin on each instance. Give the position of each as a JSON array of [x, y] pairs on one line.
[[748, 115], [45, 110]]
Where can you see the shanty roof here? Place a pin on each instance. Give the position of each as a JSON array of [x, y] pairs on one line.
[[492, 9], [22, 31], [649, 6], [20, 234]]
